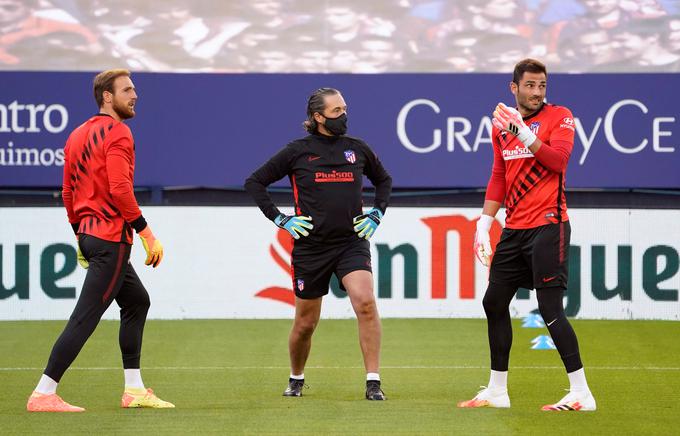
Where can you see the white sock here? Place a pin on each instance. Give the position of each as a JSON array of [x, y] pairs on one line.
[[297, 377], [372, 376], [133, 378], [498, 380], [577, 380], [46, 385]]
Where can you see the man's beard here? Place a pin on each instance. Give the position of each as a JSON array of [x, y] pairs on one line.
[[527, 105], [124, 112]]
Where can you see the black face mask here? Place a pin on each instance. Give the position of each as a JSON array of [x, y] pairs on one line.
[[337, 125]]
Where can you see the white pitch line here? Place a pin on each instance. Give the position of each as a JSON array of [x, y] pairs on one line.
[[236, 368]]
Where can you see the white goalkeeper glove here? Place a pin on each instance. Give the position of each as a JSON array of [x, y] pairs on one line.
[[482, 244], [510, 120]]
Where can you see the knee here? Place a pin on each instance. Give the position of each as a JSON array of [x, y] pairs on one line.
[[550, 304], [305, 326], [497, 299], [367, 309], [144, 302], [545, 310], [492, 305], [138, 307]]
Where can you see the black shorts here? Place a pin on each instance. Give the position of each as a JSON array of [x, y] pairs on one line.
[[533, 258], [314, 265]]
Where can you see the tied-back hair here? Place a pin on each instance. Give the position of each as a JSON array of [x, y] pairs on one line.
[[316, 103], [528, 65]]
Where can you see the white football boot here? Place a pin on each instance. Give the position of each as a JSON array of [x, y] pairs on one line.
[[488, 397], [576, 401]]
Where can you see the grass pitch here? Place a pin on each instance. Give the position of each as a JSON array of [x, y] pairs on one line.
[[227, 376]]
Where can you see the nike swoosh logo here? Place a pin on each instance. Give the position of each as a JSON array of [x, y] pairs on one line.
[[551, 322], [311, 158], [548, 279]]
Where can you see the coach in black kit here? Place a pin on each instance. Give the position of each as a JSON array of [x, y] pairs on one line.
[[330, 229]]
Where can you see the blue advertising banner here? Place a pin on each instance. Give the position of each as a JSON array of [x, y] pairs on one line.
[[430, 130]]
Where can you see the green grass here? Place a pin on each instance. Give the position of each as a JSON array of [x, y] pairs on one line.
[[226, 376]]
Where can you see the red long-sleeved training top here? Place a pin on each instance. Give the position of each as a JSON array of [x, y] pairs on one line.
[[532, 186], [99, 166]]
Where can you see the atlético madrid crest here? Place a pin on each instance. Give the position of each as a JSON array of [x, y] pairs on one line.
[[535, 126], [350, 156], [300, 284]]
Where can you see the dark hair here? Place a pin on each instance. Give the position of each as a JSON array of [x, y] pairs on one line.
[[104, 82], [527, 65], [316, 103]]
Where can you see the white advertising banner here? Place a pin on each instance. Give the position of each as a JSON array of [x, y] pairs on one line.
[[231, 262]]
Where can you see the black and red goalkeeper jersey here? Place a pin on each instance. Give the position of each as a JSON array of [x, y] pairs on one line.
[[533, 185], [99, 166], [326, 174]]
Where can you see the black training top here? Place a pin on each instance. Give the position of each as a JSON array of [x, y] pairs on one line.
[[326, 175]]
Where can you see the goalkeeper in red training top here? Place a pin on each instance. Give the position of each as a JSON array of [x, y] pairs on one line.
[[531, 145], [99, 165]]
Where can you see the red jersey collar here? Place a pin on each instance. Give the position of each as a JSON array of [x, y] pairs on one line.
[[528, 117]]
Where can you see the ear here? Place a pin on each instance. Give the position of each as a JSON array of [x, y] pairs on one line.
[[513, 88], [108, 96], [318, 117]]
